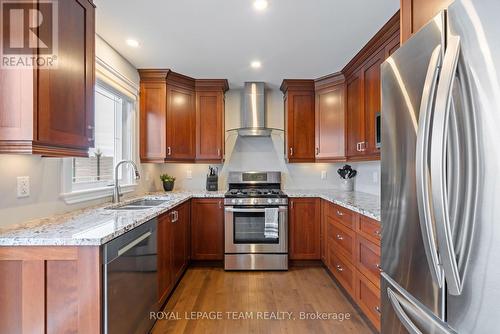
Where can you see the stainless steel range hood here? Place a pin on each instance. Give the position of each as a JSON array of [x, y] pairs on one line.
[[253, 113]]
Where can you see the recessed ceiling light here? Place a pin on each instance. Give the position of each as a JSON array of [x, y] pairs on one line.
[[256, 64], [260, 4], [132, 42]]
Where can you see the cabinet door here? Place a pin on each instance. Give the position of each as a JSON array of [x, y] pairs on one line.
[[164, 256], [330, 123], [355, 116], [415, 14], [207, 229], [181, 116], [300, 126], [304, 238], [371, 100], [209, 125], [179, 241], [153, 122], [66, 94]]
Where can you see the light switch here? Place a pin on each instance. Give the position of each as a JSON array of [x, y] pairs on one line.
[[23, 186], [375, 177], [323, 174], [189, 174]]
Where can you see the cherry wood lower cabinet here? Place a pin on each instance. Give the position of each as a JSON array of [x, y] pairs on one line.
[[352, 244], [173, 247], [50, 289], [304, 229], [207, 229]]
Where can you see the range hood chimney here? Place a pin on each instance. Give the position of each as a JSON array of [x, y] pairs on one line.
[[253, 113]]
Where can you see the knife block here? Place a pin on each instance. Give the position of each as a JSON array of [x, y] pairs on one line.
[[212, 182]]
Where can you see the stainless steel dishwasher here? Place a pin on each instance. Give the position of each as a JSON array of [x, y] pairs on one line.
[[131, 280]]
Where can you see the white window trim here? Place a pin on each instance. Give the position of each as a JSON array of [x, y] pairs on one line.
[[110, 77]]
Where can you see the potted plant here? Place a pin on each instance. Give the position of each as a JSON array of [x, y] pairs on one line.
[[168, 182]]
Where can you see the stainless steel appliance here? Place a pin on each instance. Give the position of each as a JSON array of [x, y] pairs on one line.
[[251, 242], [131, 280], [440, 189]]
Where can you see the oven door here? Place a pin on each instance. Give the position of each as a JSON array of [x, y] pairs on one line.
[[244, 231]]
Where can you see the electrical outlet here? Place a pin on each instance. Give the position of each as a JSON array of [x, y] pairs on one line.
[[189, 174], [375, 177], [323, 174], [23, 186]]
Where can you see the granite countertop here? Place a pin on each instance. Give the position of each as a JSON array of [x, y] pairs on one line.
[[363, 203], [97, 225]]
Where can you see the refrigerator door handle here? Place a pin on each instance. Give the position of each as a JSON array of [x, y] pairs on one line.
[[422, 166], [404, 307], [439, 182]]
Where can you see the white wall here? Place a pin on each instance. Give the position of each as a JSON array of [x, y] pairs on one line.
[[258, 153], [45, 173]]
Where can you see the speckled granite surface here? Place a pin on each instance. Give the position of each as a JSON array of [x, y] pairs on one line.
[[92, 226], [363, 203], [97, 225]]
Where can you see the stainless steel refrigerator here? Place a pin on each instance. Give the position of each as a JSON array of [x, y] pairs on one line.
[[440, 175]]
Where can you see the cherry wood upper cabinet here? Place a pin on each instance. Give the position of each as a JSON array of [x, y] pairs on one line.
[[182, 119], [299, 120], [416, 13], [364, 90], [207, 229], [51, 111], [210, 120], [330, 118], [153, 118], [355, 115], [304, 236]]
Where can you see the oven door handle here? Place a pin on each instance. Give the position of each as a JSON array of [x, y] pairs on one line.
[[280, 209]]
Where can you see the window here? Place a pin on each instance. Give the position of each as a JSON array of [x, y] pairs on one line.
[[114, 124]]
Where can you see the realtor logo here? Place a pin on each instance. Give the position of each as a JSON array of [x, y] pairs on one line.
[[29, 34]]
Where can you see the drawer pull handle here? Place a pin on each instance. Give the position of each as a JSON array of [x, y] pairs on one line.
[[378, 309], [377, 233], [379, 267], [339, 213], [340, 237], [339, 268]]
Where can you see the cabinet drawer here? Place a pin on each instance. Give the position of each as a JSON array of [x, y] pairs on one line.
[[342, 269], [342, 239], [370, 229], [342, 215], [368, 299], [368, 259]]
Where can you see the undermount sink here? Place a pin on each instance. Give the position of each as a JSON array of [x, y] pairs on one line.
[[141, 204]]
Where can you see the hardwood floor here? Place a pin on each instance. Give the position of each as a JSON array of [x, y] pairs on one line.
[[289, 295]]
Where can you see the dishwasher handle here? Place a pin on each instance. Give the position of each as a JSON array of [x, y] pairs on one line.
[[131, 245]]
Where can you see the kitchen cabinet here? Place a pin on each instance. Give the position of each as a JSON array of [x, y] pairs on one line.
[[153, 120], [416, 13], [304, 229], [207, 229], [182, 119], [173, 248], [364, 91], [50, 111], [300, 125], [210, 120], [330, 118], [352, 244]]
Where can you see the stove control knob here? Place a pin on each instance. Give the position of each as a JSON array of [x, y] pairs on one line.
[[269, 200], [233, 201], [240, 201], [277, 200]]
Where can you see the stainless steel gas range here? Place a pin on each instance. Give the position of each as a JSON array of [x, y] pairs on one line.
[[256, 222]]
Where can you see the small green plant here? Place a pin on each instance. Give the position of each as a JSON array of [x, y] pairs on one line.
[[167, 178]]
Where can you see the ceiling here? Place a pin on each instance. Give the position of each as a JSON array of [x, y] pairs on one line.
[[292, 39]]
